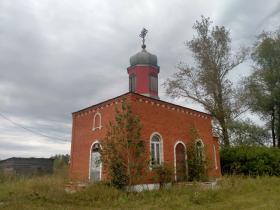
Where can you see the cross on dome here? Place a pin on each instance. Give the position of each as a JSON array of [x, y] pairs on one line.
[[143, 35]]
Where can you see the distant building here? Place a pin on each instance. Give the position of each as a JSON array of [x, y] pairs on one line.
[[166, 127], [26, 166]]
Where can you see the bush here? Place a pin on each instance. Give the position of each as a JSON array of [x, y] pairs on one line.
[[197, 160], [164, 174], [252, 161], [119, 178]]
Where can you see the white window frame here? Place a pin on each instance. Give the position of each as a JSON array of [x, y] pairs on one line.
[[90, 153], [98, 126], [161, 159]]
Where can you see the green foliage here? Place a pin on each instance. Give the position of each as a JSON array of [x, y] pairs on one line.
[[119, 177], [47, 192], [60, 161], [263, 86], [207, 81], [197, 162], [164, 174], [61, 164], [246, 132], [253, 161], [123, 150]]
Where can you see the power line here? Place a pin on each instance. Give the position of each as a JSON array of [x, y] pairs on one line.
[[30, 130]]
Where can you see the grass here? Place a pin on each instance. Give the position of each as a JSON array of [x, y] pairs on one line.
[[47, 192]]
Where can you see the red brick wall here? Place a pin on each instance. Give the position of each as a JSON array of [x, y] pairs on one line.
[[83, 137], [172, 122], [142, 78]]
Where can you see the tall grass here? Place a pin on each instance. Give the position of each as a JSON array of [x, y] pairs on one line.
[[47, 192]]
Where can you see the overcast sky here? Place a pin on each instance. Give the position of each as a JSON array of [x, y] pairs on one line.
[[57, 57]]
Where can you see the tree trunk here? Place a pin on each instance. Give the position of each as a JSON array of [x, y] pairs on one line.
[[222, 115], [225, 132], [273, 127]]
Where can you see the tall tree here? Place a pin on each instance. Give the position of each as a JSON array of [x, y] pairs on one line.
[[123, 150], [206, 81], [263, 86], [246, 132]]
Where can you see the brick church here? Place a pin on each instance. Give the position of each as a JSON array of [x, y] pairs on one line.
[[165, 126]]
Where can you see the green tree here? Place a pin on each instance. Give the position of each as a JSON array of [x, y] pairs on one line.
[[206, 82], [197, 160], [61, 160], [263, 86], [246, 132], [61, 164], [123, 150]]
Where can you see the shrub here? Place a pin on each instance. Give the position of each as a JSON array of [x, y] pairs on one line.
[[164, 174], [119, 178], [197, 163], [253, 161]]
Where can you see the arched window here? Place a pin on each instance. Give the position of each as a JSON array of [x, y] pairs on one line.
[[156, 150], [199, 151], [96, 121], [95, 162]]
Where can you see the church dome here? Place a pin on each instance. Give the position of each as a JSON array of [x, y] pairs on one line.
[[143, 57]]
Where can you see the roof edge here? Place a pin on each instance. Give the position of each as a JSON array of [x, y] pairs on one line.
[[137, 94], [149, 65], [111, 99]]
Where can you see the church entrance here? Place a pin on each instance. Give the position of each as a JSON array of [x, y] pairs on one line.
[[181, 168], [95, 164]]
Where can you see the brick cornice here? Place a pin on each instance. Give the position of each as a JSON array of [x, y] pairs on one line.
[[142, 99]]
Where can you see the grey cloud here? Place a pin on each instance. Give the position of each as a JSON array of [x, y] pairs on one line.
[[246, 19], [57, 57], [22, 150]]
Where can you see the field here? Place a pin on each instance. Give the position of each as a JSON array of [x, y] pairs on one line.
[[48, 192]]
